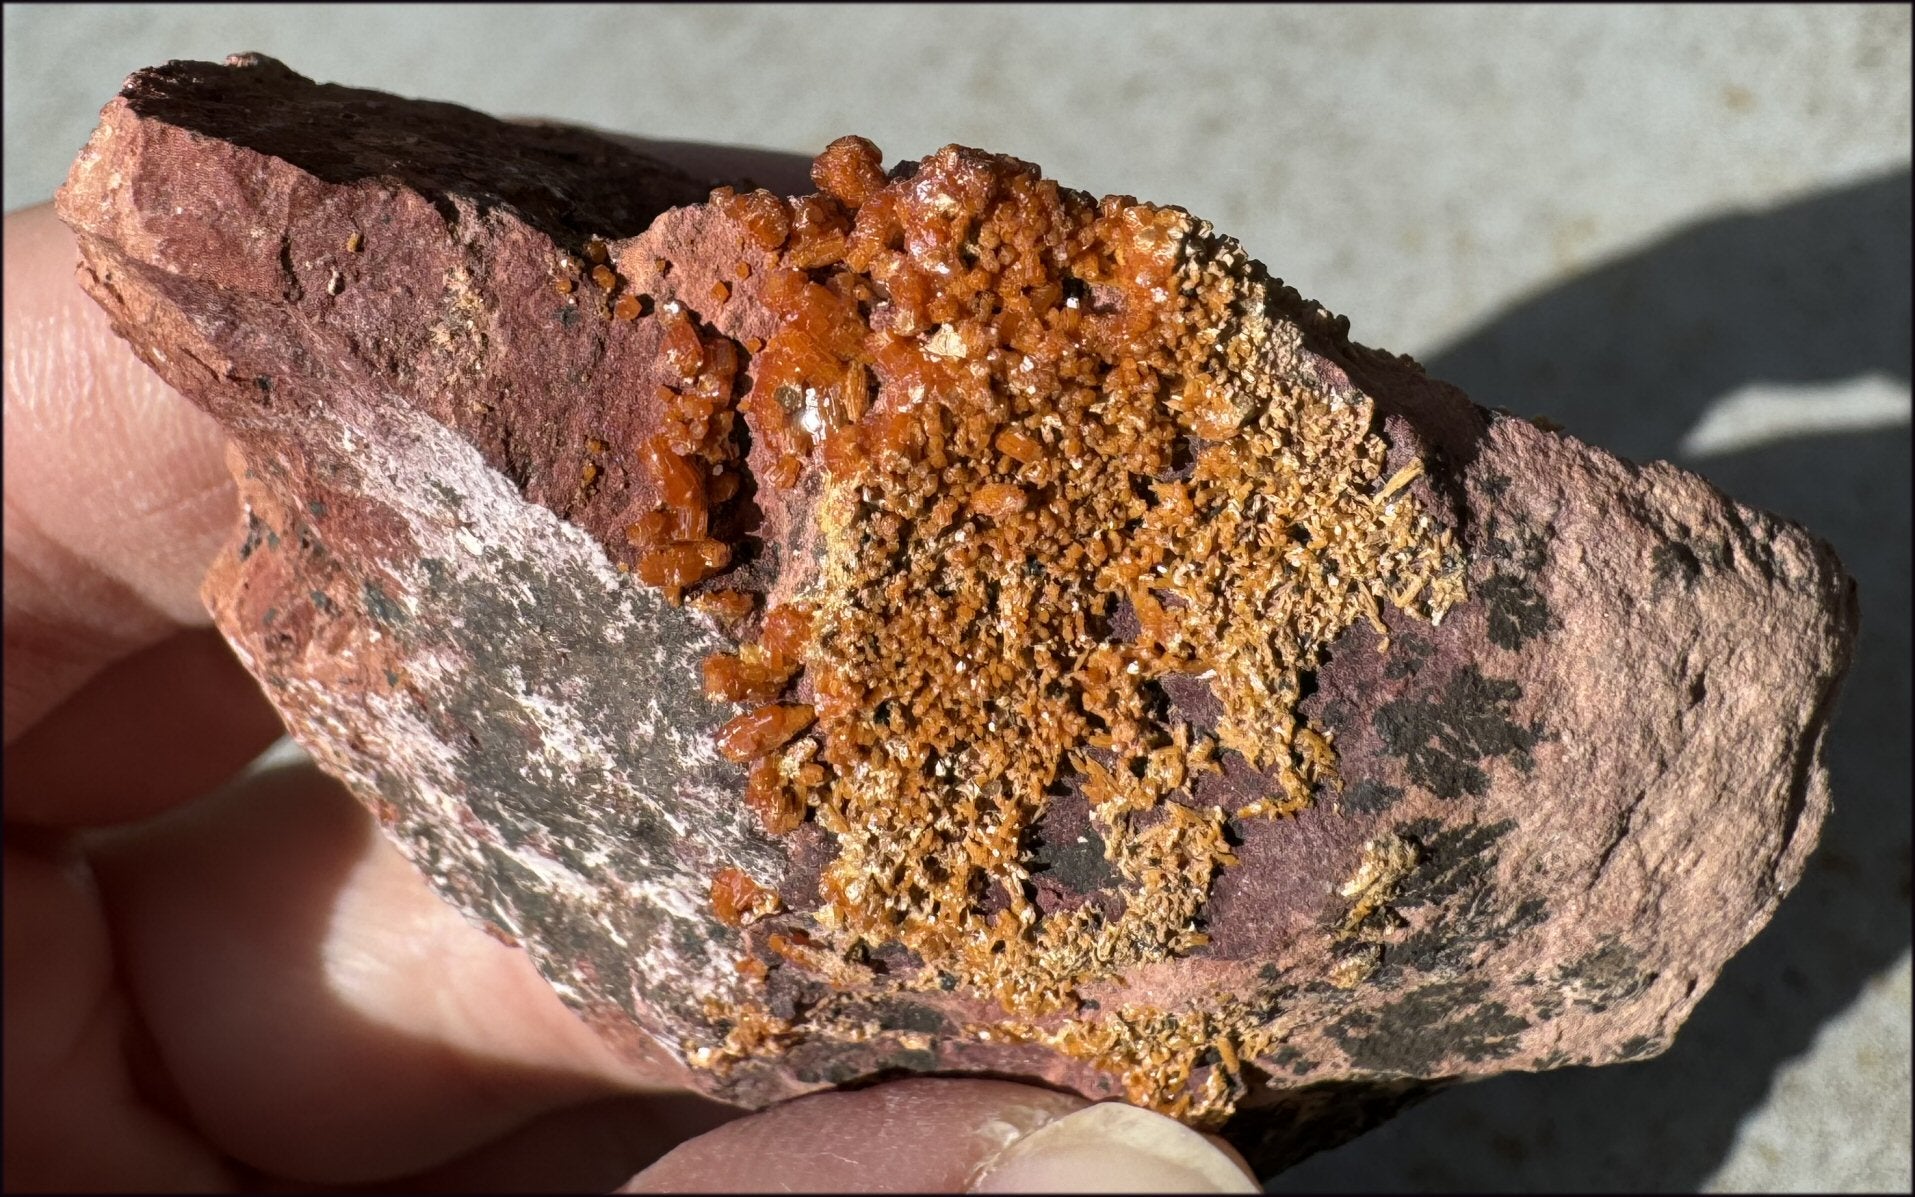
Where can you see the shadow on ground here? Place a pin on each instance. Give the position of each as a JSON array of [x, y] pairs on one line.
[[1630, 357]]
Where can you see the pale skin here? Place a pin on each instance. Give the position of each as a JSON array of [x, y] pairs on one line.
[[212, 986]]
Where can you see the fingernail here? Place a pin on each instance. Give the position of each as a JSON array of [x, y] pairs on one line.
[[1113, 1148]]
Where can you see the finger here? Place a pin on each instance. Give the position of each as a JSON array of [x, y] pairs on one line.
[[949, 1136], [323, 1014], [74, 1120], [1115, 1148], [162, 726], [117, 497], [921, 1135], [590, 1148]]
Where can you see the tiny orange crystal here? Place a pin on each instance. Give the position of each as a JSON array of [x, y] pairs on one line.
[[752, 735]]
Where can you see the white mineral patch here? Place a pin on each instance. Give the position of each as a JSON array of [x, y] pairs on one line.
[[490, 524]]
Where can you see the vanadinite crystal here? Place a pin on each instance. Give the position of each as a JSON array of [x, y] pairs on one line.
[[1040, 420]]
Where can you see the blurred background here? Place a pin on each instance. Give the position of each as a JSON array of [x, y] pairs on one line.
[[1681, 233]]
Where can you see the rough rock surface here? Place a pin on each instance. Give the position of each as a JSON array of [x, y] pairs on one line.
[[1564, 806]]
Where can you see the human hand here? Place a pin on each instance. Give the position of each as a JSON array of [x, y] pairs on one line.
[[217, 984]]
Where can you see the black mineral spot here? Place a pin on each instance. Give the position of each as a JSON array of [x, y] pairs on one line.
[[319, 600], [1369, 797], [1289, 1057], [1517, 614], [1525, 549], [317, 507], [1608, 975], [1408, 653], [380, 606], [1445, 740], [891, 959], [828, 1072], [264, 384], [255, 532], [1452, 859], [309, 542], [567, 315], [782, 1002], [1417, 1033], [392, 679], [906, 1016], [1530, 912], [1671, 560], [691, 940], [1076, 862], [1639, 1046], [1319, 988], [1453, 873]]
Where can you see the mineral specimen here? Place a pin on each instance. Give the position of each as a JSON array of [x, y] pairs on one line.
[[945, 622]]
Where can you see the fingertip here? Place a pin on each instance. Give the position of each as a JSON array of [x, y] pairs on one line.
[[1115, 1148], [110, 463], [117, 493], [923, 1135]]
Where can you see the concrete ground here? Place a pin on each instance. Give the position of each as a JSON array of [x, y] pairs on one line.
[[1680, 233]]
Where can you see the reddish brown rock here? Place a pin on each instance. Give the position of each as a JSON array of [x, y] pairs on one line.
[[1564, 805]]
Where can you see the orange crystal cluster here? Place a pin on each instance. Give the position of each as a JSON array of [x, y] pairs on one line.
[[1037, 414], [778, 786], [694, 462]]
